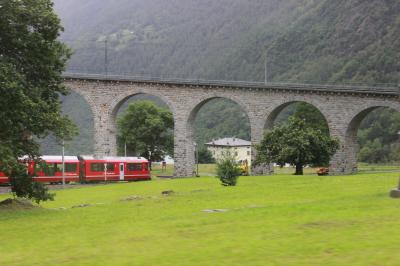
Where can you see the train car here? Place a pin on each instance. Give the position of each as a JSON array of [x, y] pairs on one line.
[[50, 169], [86, 169], [3, 178], [114, 168], [130, 168]]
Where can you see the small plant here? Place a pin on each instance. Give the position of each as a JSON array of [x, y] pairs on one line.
[[228, 170], [23, 186]]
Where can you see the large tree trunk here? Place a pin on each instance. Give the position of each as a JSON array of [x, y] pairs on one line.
[[299, 169]]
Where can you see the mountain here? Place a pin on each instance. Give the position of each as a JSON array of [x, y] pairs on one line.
[[308, 41]]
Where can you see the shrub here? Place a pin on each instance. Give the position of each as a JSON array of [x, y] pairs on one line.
[[228, 170], [23, 186]]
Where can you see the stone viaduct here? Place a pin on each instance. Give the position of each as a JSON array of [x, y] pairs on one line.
[[344, 107]]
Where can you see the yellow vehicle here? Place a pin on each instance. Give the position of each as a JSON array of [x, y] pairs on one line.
[[244, 167]]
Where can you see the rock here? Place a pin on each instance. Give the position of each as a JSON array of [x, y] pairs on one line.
[[395, 193], [198, 190], [167, 192], [131, 198], [254, 206], [215, 210], [81, 206]]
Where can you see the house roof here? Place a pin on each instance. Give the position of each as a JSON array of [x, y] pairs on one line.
[[229, 142]]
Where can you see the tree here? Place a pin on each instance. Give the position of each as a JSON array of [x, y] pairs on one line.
[[228, 170], [147, 130], [296, 144], [205, 156], [311, 116], [31, 63]]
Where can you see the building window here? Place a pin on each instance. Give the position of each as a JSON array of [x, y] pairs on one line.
[[248, 152]]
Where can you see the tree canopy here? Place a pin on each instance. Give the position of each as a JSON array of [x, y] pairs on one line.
[[297, 144], [147, 131], [31, 63]]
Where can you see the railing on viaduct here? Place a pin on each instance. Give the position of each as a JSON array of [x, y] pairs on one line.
[[382, 89]]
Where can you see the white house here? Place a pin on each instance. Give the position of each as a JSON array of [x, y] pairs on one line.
[[237, 147]]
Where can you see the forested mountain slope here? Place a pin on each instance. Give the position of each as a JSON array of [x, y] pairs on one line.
[[301, 40]]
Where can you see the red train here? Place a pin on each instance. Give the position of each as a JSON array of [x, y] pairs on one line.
[[87, 169]]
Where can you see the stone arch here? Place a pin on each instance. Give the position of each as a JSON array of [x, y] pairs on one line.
[[122, 98], [118, 101], [276, 110], [86, 97], [195, 107], [92, 108], [348, 164]]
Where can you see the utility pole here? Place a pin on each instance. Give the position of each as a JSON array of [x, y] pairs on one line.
[[106, 56], [63, 164]]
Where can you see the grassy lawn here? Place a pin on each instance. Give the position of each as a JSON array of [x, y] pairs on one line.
[[365, 167], [209, 169], [274, 220]]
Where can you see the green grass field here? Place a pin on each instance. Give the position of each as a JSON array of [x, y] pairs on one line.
[[273, 220], [209, 169]]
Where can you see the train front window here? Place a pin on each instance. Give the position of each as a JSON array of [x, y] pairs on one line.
[[134, 167]]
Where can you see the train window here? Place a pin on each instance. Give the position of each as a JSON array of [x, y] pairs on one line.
[[70, 167], [58, 167], [38, 167], [49, 169], [110, 167], [97, 167], [134, 166], [146, 166]]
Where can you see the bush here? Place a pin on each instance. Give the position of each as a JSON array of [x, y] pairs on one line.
[[23, 186], [228, 170], [205, 156]]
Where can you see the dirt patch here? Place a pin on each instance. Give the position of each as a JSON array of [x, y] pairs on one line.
[[132, 198], [17, 204], [328, 224], [215, 210]]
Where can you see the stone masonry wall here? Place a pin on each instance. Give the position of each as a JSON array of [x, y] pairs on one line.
[[343, 113]]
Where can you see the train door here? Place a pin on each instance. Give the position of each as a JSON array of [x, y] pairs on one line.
[[121, 171]]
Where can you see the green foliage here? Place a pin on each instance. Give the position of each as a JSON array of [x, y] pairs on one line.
[[297, 144], [221, 118], [31, 63], [312, 117], [79, 111], [228, 170], [205, 156], [378, 138], [147, 131], [23, 186]]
